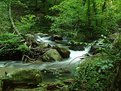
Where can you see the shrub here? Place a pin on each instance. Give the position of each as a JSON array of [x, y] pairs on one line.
[[11, 47], [96, 73], [26, 23], [10, 40]]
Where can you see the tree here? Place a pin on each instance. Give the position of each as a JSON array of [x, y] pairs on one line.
[[88, 17]]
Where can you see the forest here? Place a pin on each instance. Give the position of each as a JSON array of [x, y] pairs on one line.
[[60, 45]]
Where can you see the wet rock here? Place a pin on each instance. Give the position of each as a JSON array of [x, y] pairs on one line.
[[69, 81], [64, 52], [41, 34], [51, 55], [26, 75], [22, 79], [76, 45], [56, 37]]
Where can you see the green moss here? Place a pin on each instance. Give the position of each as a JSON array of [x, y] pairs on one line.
[[23, 48], [96, 73], [27, 75]]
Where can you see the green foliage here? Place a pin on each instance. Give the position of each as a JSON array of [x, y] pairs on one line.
[[23, 48], [113, 50], [4, 17], [26, 23], [96, 73], [10, 45], [10, 40], [19, 3], [91, 17]]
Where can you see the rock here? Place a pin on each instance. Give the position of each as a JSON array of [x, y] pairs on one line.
[[64, 52], [56, 37], [56, 86], [69, 81], [30, 40], [76, 45], [43, 45], [27, 75], [52, 87], [41, 34], [97, 46], [94, 50], [38, 51], [27, 78], [51, 55]]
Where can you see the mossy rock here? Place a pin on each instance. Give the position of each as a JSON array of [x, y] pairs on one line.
[[95, 73], [51, 55], [27, 75], [63, 51]]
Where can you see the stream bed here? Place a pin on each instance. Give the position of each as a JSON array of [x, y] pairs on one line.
[[62, 67]]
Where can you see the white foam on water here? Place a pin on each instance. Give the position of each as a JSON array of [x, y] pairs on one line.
[[75, 58]]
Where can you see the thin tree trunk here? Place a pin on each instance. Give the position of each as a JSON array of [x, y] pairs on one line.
[[11, 20]]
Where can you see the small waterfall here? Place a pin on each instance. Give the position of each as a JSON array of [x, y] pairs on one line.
[[45, 39], [74, 60]]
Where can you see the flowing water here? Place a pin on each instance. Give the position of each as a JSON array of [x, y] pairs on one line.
[[66, 64], [75, 58]]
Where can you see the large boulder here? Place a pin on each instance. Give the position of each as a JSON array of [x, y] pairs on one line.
[[51, 55], [26, 75], [22, 78], [63, 51]]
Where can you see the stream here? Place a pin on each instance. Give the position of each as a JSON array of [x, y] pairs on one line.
[[66, 64]]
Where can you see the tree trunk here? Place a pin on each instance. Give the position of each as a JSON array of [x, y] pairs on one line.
[[11, 20]]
